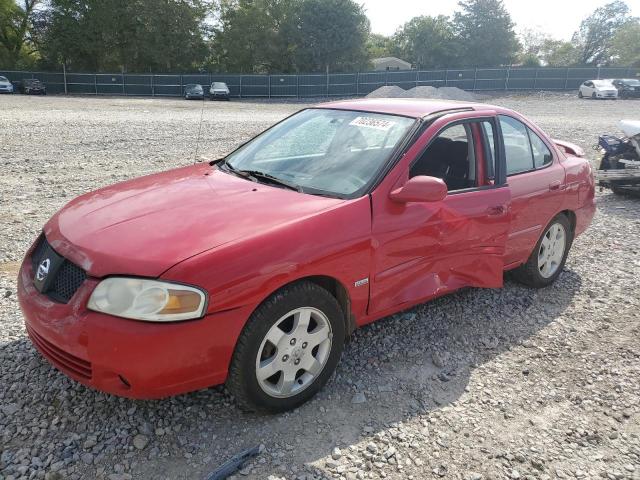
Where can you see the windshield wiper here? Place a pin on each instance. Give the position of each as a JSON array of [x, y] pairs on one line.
[[270, 178], [255, 175]]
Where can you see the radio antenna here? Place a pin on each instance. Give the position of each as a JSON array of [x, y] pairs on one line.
[[195, 155]]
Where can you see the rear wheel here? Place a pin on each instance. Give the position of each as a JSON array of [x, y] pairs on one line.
[[549, 256], [288, 349]]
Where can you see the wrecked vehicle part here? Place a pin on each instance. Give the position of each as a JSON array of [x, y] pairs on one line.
[[620, 164], [229, 467]]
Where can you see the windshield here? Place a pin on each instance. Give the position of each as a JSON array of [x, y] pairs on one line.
[[194, 87], [632, 82], [337, 152], [3, 79], [602, 83], [221, 85]]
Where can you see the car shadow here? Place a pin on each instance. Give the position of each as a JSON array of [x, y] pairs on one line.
[[406, 365]]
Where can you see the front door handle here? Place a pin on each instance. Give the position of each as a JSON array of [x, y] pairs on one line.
[[497, 210]]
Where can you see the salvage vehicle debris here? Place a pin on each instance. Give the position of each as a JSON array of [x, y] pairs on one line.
[[233, 464], [252, 270], [620, 165]]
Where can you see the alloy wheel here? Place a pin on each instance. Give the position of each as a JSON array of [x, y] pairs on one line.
[[551, 250], [294, 352]]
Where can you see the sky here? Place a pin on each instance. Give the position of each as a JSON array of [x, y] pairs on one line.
[[558, 18]]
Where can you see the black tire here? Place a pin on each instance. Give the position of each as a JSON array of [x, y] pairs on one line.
[[593, 95], [242, 381], [580, 94], [529, 273]]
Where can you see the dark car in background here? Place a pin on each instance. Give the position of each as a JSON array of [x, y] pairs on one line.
[[219, 90], [627, 87], [193, 91], [32, 86]]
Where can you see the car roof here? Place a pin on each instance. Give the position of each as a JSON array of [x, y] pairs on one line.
[[408, 107]]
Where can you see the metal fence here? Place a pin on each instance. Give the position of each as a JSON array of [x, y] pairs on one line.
[[321, 85]]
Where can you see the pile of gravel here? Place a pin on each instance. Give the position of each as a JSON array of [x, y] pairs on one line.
[[388, 91], [455, 93], [424, 91]]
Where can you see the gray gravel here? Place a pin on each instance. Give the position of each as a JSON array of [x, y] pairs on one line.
[[511, 383]]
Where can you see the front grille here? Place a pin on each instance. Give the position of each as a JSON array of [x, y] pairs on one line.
[[68, 278], [61, 359]]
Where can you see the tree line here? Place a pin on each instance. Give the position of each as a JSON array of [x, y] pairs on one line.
[[288, 36]]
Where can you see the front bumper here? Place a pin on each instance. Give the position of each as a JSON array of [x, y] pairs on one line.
[[219, 94], [606, 94], [133, 359]]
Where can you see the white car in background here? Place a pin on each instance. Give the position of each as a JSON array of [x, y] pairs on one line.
[[220, 90], [5, 85], [598, 89]]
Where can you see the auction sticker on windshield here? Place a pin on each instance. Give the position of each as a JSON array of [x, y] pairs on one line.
[[372, 122]]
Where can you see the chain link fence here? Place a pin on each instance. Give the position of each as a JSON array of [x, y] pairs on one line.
[[321, 85]]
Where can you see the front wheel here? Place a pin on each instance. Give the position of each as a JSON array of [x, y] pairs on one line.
[[549, 256], [580, 95], [288, 350]]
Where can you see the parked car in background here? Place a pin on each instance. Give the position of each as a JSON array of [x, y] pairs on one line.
[[627, 87], [254, 269], [193, 91], [219, 90], [5, 85], [598, 89], [32, 86]]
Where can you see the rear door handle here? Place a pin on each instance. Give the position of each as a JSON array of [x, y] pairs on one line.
[[557, 185]]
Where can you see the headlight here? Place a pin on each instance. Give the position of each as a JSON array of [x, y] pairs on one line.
[[148, 300]]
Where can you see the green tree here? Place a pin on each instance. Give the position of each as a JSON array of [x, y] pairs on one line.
[[427, 42], [262, 36], [486, 33], [332, 36], [380, 46], [530, 60], [132, 35], [255, 36], [625, 45], [595, 35], [558, 53], [17, 49]]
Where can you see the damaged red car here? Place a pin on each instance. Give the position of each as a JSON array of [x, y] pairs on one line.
[[252, 270]]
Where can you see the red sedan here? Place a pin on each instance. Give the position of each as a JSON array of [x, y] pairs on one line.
[[252, 270]]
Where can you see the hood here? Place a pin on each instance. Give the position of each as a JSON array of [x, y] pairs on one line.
[[147, 225]]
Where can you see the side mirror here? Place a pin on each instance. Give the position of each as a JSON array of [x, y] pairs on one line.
[[420, 189]]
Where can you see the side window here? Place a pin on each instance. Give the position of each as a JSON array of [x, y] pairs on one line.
[[541, 153], [517, 148], [450, 156]]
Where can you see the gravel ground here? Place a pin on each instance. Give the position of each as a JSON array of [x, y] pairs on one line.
[[511, 383]]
